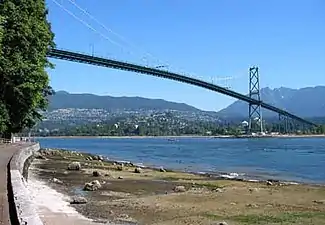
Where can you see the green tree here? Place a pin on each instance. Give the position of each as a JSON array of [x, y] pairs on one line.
[[25, 41], [3, 109]]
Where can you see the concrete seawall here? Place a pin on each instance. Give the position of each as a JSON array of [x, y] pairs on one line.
[[23, 207]]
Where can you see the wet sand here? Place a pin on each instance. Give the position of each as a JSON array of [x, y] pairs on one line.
[[163, 197]]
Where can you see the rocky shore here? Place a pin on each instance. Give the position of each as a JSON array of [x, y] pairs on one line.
[[94, 189]]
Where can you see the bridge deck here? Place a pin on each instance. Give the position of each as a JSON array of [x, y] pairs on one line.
[[110, 63]]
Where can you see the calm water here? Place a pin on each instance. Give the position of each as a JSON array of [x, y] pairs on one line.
[[294, 159]]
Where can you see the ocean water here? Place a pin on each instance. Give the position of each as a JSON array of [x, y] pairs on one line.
[[290, 159]]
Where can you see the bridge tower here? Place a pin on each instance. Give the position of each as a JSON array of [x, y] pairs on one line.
[[254, 111]]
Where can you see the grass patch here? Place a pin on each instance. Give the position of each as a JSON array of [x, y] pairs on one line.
[[283, 218]]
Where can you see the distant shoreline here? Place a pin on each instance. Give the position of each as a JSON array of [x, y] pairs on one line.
[[187, 136]]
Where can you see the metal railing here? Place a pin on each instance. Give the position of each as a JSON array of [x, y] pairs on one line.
[[5, 141], [16, 139]]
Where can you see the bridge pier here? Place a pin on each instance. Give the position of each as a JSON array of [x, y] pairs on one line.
[[255, 123]]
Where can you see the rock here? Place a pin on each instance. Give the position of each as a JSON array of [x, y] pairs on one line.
[[138, 170], [162, 169], [220, 223], [319, 201], [252, 205], [89, 187], [98, 157], [219, 190], [120, 178], [223, 223], [130, 164], [179, 189], [74, 166], [97, 183], [96, 174], [107, 175], [92, 186], [38, 155], [269, 183], [57, 181], [45, 152], [120, 167], [253, 189], [78, 200]]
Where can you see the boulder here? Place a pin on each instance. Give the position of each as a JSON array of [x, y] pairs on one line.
[[78, 200], [120, 167], [56, 181], [319, 201], [223, 223], [179, 189], [96, 173], [269, 183], [92, 186], [74, 166], [138, 170], [98, 157], [220, 223], [38, 155]]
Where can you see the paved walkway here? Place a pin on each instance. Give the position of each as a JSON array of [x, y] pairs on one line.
[[6, 152]]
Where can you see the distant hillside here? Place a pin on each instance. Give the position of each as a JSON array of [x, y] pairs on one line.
[[305, 102], [64, 99]]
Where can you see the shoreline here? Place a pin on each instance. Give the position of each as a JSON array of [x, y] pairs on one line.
[[188, 136], [165, 197], [215, 175]]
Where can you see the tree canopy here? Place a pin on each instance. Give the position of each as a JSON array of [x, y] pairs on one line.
[[25, 37]]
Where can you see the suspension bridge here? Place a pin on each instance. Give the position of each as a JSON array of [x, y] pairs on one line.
[[254, 100]]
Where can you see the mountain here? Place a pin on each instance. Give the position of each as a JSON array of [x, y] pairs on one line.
[[305, 102], [63, 99]]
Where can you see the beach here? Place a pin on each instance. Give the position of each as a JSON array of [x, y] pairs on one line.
[[128, 194]]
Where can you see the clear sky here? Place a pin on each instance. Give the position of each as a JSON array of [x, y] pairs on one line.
[[207, 38]]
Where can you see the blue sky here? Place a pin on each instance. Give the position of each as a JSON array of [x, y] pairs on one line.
[[207, 38]]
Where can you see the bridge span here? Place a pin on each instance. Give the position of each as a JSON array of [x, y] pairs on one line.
[[115, 64]]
